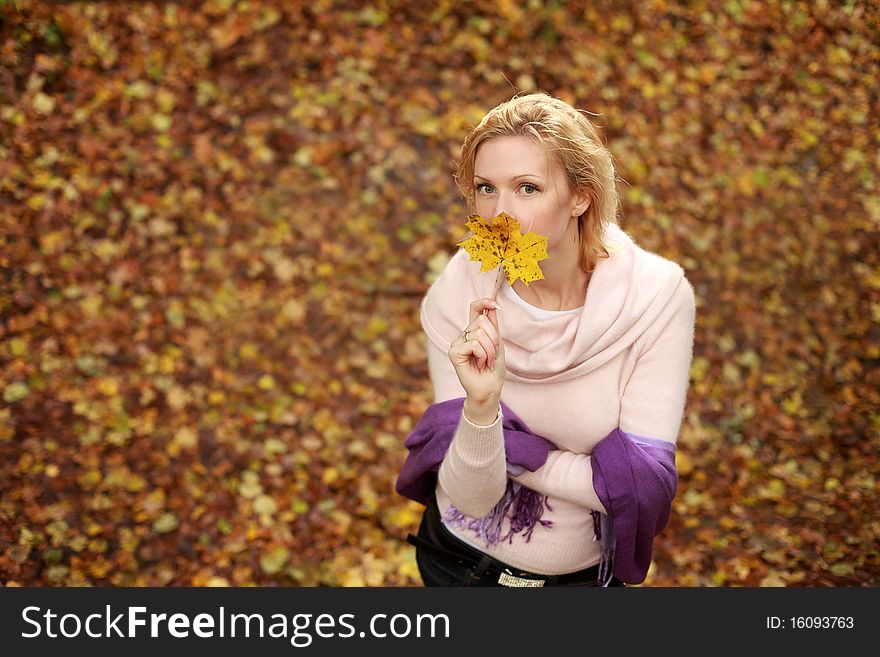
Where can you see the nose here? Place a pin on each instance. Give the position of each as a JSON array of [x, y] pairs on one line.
[[503, 203]]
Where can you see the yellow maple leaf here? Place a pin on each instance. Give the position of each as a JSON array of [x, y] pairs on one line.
[[498, 241]]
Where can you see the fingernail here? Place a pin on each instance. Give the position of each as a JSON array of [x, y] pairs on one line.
[[496, 305]]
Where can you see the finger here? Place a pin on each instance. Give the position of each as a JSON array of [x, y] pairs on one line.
[[500, 357], [463, 352], [481, 335], [488, 348], [478, 306], [478, 352], [492, 316], [485, 324]]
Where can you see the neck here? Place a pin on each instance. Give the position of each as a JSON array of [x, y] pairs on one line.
[[564, 285]]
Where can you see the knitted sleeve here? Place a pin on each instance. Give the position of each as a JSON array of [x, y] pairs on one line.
[[653, 401]]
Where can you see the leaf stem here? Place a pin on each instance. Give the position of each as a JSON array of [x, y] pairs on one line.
[[497, 283], [495, 288]]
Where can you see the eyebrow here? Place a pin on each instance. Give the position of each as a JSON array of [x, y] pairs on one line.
[[522, 175]]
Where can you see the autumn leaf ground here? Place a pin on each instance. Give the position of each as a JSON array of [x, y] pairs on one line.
[[217, 221]]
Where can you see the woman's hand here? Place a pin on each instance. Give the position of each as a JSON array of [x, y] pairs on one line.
[[478, 358]]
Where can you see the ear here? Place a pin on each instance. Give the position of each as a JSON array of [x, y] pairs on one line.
[[581, 202]]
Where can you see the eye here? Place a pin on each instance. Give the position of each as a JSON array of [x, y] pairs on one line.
[[484, 188], [529, 188]]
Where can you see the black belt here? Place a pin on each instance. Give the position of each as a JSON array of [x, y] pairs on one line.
[[447, 546]]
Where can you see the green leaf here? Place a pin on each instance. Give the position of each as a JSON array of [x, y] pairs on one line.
[[165, 523], [273, 561], [842, 568], [15, 392]]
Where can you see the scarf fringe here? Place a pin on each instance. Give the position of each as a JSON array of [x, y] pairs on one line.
[[524, 506], [604, 533]]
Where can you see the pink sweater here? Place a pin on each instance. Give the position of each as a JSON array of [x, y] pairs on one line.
[[622, 360]]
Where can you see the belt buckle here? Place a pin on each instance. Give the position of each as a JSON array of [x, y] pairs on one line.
[[508, 579]]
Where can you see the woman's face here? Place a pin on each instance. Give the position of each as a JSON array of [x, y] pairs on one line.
[[512, 174]]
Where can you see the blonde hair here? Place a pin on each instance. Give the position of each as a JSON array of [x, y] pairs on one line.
[[574, 140]]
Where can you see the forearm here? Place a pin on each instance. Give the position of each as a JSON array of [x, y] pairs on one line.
[[474, 472]]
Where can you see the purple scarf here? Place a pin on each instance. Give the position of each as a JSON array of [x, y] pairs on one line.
[[636, 481], [634, 477]]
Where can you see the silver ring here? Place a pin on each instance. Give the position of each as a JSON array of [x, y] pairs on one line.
[[466, 338]]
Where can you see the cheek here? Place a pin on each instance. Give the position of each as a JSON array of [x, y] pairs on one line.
[[554, 227], [546, 222], [484, 207]]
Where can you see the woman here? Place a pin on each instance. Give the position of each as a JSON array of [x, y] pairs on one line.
[[548, 457]]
